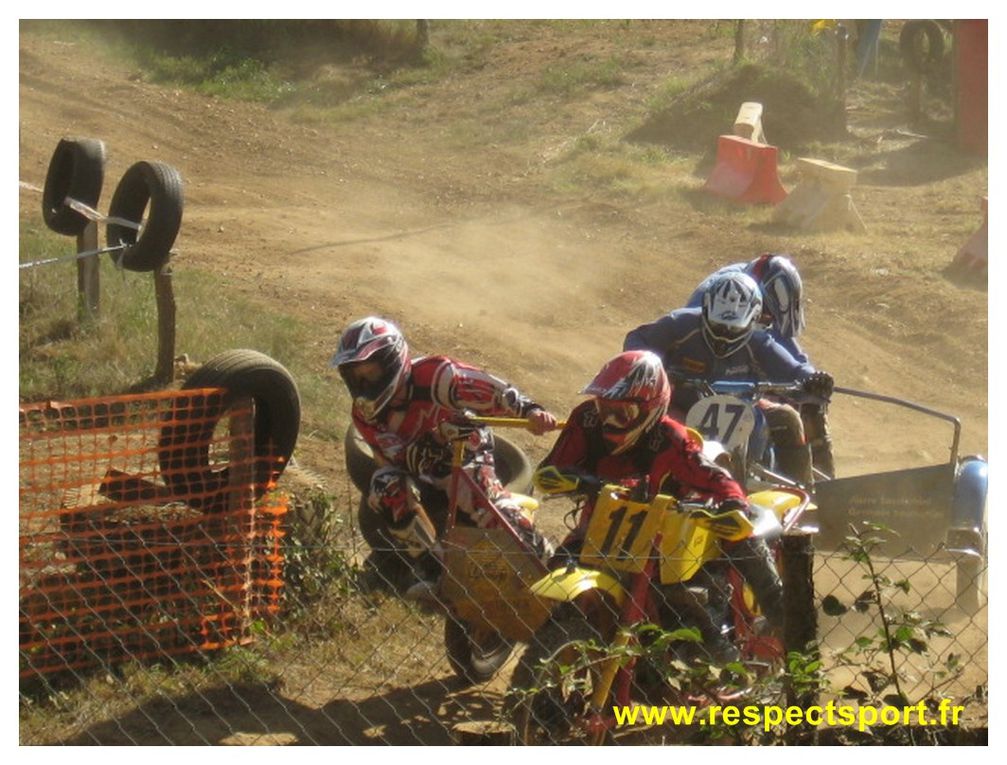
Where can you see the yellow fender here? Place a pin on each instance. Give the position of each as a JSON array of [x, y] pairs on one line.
[[780, 502], [565, 584]]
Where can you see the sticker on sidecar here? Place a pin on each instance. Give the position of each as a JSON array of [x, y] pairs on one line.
[[722, 418]]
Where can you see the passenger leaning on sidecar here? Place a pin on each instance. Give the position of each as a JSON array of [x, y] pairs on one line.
[[721, 341], [624, 433], [405, 409], [783, 317]]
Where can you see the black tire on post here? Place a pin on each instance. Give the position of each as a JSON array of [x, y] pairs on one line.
[[921, 44], [144, 183], [359, 459], [552, 683], [474, 662], [77, 171], [183, 449], [372, 529]]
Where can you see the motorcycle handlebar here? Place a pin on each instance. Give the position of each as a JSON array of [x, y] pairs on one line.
[[740, 387], [509, 422]]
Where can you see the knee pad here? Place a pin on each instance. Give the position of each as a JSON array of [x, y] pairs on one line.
[[785, 425], [394, 495]]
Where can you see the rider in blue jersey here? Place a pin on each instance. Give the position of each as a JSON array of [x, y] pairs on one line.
[[783, 317], [721, 341]]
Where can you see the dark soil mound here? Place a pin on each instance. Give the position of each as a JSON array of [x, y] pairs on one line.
[[793, 115]]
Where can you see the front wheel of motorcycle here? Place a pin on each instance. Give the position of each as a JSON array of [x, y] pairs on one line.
[[474, 655], [552, 684]]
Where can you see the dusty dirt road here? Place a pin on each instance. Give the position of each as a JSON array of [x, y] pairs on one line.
[[471, 249]]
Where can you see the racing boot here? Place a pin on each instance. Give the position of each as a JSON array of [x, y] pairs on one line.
[[753, 560], [509, 508], [690, 606], [793, 455], [816, 431]]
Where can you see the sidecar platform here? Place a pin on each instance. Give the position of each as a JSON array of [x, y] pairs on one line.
[[933, 510]]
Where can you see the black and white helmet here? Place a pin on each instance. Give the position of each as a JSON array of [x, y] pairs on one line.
[[732, 305], [781, 292]]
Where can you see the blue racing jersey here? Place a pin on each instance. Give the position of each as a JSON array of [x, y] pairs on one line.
[[678, 339]]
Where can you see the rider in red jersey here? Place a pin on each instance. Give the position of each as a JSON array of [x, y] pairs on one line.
[[623, 434], [408, 410]]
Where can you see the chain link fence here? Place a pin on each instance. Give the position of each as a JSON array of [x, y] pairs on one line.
[[263, 617]]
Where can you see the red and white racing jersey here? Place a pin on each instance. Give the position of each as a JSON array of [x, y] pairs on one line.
[[413, 435]]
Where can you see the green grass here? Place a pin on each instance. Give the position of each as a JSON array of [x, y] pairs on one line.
[[62, 357], [221, 74], [567, 79]]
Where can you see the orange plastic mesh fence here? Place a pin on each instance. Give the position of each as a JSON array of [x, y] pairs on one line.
[[142, 531]]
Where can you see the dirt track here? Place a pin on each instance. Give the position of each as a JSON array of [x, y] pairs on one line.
[[474, 254]]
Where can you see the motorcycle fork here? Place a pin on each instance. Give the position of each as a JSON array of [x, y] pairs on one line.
[[753, 646], [614, 673]]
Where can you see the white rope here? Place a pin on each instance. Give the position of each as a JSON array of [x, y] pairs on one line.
[[73, 256]]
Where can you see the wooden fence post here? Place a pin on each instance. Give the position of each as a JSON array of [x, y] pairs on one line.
[[800, 631], [165, 296], [88, 292], [842, 38], [241, 499]]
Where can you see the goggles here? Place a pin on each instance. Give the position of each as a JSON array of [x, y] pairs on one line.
[[617, 415]]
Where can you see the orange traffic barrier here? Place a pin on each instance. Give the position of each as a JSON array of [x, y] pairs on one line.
[[120, 559], [974, 254], [746, 172]]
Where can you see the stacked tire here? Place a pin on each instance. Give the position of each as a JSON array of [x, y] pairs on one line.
[[76, 174]]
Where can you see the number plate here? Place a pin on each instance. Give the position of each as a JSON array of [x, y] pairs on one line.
[[621, 532], [722, 418]]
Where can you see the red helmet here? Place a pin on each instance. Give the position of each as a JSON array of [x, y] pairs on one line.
[[631, 393], [374, 362]]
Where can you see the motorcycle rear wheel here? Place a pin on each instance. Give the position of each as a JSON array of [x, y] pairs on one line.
[[552, 684], [475, 658]]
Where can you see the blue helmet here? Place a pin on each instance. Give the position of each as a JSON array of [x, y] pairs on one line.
[[781, 292]]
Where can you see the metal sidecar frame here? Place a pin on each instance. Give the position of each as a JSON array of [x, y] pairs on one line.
[[937, 511]]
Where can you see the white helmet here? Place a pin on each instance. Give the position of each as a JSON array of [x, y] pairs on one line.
[[731, 306]]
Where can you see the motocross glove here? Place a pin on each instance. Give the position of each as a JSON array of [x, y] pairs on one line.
[[819, 384]]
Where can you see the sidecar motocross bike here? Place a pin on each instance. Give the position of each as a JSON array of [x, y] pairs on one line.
[[644, 561], [936, 511], [483, 574]]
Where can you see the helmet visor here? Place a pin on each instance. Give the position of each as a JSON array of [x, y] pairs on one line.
[[367, 379]]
